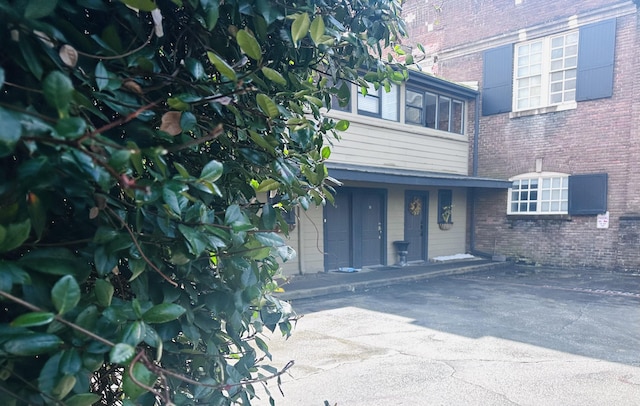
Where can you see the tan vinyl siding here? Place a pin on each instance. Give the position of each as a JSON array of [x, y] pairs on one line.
[[448, 242], [309, 257], [376, 142], [395, 221]]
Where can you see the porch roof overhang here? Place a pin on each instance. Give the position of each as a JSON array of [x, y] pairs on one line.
[[395, 176]]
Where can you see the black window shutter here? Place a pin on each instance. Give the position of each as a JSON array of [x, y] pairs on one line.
[[445, 198], [497, 80], [595, 60], [588, 194]]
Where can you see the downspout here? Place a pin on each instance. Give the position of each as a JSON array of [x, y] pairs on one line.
[[474, 172], [300, 252]]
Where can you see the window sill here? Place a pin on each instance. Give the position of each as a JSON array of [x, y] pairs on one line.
[[544, 110], [536, 217]]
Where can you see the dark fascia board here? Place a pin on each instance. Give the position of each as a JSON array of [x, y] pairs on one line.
[[346, 172], [438, 85]]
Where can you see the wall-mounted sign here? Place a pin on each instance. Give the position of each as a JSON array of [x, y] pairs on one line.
[[603, 220]]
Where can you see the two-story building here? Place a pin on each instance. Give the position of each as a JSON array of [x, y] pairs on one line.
[[559, 89], [404, 171]]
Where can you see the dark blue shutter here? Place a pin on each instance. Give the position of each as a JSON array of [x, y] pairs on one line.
[[497, 80], [595, 60], [588, 194]]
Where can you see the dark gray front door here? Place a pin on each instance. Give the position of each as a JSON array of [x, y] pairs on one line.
[[354, 234], [370, 248], [337, 229], [415, 224]]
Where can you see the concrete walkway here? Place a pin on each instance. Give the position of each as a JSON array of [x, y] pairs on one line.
[[325, 283]]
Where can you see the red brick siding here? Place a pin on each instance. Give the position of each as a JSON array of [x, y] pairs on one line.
[[598, 136]]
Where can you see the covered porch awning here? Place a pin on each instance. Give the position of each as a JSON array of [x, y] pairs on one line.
[[347, 172]]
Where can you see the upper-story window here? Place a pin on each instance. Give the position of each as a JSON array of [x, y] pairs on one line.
[[550, 74], [434, 111], [539, 193], [546, 71], [379, 102]]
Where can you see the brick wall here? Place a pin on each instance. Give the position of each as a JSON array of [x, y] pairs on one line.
[[443, 24], [598, 136]]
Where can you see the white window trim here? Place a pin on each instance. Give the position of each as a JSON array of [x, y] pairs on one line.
[[539, 176], [353, 113], [545, 105]]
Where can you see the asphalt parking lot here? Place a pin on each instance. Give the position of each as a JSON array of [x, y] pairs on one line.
[[509, 336]]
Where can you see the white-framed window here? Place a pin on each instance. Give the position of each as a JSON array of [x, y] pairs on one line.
[[539, 193], [434, 110], [545, 71], [379, 102]]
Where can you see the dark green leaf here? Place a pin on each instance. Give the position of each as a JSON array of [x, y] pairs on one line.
[[54, 261], [32, 344], [122, 353], [249, 44], [269, 13], [58, 91], [134, 333], [65, 294], [144, 5], [261, 141], [211, 171], [39, 8], [119, 160], [270, 239], [104, 292], [195, 68], [104, 260], [102, 76], [87, 317], [142, 375], [71, 127], [12, 236], [49, 374], [196, 240], [64, 386], [270, 317], [70, 362], [163, 313], [33, 319], [188, 121], [82, 399], [14, 274], [268, 216], [213, 13], [30, 57]]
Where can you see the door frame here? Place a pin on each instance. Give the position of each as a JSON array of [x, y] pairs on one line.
[[424, 249]]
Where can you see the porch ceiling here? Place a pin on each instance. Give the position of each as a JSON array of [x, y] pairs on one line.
[[343, 172]]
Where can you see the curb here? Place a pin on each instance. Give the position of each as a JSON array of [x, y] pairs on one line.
[[377, 283]]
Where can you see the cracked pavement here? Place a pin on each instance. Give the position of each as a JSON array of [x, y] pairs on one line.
[[521, 336]]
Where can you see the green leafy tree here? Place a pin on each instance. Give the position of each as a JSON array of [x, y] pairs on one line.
[[138, 142]]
